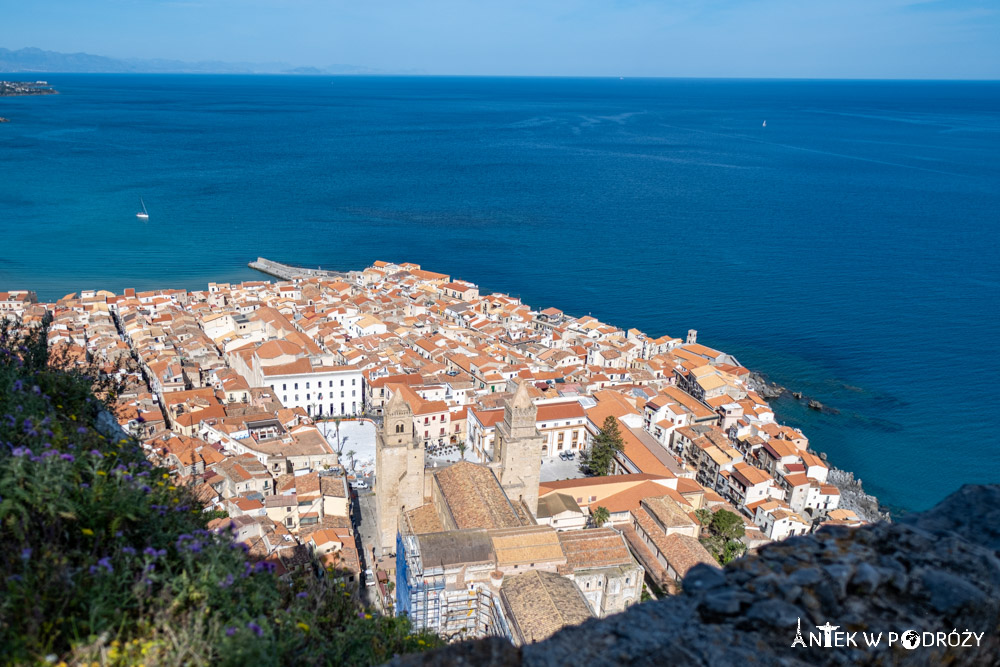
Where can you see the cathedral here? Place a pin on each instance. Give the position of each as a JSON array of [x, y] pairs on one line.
[[404, 485]]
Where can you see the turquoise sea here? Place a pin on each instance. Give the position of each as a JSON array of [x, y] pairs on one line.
[[849, 249]]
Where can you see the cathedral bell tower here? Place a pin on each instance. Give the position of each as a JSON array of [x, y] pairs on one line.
[[517, 450], [399, 469]]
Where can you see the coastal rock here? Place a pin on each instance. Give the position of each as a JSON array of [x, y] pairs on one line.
[[884, 578], [766, 390], [797, 395], [4, 120], [815, 405], [854, 498]]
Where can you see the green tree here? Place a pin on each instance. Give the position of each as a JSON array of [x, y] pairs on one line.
[[600, 516], [725, 529], [728, 525], [607, 443], [461, 449]]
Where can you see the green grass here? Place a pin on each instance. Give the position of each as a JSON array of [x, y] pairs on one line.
[[105, 560]]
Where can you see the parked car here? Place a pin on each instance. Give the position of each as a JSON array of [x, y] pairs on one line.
[[369, 578]]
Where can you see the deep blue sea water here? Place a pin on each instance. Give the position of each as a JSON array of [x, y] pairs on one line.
[[849, 249]]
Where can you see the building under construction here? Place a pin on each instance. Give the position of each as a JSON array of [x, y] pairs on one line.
[[446, 583]]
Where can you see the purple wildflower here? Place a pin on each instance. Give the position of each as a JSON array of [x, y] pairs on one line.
[[303, 594], [68, 457], [106, 564], [145, 489], [26, 553], [21, 451], [18, 385], [94, 452], [149, 551], [81, 429], [230, 631], [128, 550], [50, 453], [227, 582], [256, 629], [85, 486]]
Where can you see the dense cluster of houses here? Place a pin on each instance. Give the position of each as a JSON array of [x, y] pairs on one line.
[[227, 387]]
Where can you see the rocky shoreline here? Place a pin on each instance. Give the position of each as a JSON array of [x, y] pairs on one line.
[[852, 494]]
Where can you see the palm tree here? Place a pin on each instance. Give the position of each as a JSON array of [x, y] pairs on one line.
[[461, 449], [340, 445], [350, 455], [600, 516]]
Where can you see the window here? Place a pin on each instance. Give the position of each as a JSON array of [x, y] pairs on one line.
[[319, 385], [319, 396], [341, 394], [341, 408], [399, 428], [296, 397], [284, 387], [307, 397], [307, 386], [354, 381], [296, 385], [341, 383], [352, 393]]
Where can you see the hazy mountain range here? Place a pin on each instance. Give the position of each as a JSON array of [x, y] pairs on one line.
[[37, 60]]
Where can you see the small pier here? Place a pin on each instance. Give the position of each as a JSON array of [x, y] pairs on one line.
[[289, 272]]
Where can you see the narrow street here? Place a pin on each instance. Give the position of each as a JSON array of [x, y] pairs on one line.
[[367, 533]]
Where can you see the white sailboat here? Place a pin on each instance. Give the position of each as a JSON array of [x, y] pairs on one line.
[[143, 214], [765, 124]]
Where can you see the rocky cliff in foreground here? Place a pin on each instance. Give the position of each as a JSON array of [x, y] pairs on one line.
[[936, 574]]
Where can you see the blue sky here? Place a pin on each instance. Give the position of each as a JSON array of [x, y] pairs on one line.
[[713, 38]]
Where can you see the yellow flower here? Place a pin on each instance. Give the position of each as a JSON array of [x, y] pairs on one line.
[[368, 617], [87, 531], [102, 473], [421, 642], [166, 476], [73, 417], [302, 626], [172, 487]]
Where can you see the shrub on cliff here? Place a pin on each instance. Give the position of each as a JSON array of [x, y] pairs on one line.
[[105, 560]]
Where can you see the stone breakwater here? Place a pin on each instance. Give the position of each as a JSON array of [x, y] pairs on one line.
[[936, 573], [289, 272]]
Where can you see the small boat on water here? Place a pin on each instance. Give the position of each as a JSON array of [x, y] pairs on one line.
[[765, 124], [143, 214]]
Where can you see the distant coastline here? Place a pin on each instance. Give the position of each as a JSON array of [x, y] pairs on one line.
[[18, 88]]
